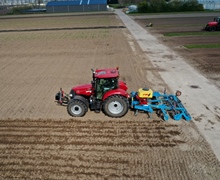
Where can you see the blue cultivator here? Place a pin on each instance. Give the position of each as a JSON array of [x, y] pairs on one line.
[[167, 104]]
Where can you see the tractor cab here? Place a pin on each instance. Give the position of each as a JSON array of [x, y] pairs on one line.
[[104, 80], [108, 92], [217, 19], [104, 85]]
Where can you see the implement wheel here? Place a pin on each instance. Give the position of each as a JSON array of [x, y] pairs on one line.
[[116, 106], [76, 108]]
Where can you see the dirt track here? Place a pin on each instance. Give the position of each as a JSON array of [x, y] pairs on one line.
[[38, 139]]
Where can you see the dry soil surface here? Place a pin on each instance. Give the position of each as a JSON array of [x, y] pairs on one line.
[[38, 139]]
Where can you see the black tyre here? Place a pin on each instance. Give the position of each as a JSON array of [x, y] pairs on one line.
[[116, 106], [212, 28], [77, 108]]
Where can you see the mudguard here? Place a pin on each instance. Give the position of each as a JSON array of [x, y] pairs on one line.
[[115, 92], [81, 98]]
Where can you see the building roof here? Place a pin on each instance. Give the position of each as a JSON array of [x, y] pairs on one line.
[[76, 2]]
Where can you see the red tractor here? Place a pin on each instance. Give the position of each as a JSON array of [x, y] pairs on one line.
[[213, 26], [105, 93]]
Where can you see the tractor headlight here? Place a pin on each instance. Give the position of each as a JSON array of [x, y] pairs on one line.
[[72, 94]]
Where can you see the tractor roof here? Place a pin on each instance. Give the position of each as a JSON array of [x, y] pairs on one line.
[[106, 73]]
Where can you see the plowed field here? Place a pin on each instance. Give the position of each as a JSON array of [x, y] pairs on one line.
[[38, 139]]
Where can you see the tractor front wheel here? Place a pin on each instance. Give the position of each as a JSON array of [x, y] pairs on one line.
[[76, 108], [116, 106]]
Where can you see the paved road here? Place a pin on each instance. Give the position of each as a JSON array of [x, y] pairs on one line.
[[202, 102]]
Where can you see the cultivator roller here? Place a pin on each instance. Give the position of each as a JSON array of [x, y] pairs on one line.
[[164, 104]]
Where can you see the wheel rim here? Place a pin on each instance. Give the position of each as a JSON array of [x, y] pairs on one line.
[[115, 107], [76, 109]]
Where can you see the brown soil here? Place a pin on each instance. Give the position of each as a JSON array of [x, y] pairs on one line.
[[38, 139]]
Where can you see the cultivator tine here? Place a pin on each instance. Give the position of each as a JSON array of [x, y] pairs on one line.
[[165, 115], [183, 111], [167, 104], [165, 90], [179, 110], [136, 112]]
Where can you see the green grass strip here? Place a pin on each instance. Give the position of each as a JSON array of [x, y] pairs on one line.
[[199, 46], [202, 33], [177, 25]]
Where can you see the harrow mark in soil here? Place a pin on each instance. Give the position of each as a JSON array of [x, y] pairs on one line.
[[58, 149]]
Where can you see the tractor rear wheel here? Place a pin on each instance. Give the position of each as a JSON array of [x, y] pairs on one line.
[[212, 28], [116, 106], [76, 108]]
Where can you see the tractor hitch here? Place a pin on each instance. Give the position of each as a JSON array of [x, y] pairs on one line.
[[61, 97]]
